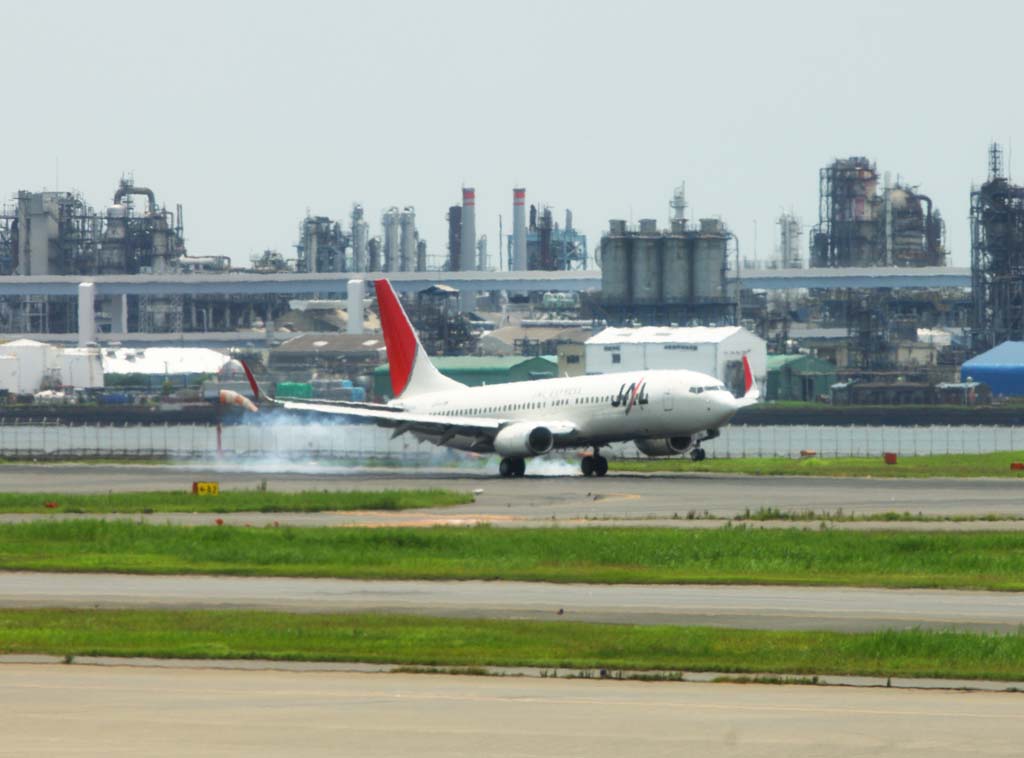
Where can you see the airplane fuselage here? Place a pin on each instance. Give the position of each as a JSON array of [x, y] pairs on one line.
[[602, 408]]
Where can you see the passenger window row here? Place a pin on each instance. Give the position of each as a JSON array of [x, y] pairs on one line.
[[526, 406]]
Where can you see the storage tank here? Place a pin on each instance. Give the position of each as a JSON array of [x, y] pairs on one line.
[[81, 368], [615, 254], [36, 360], [8, 373], [676, 269], [645, 270], [708, 263]]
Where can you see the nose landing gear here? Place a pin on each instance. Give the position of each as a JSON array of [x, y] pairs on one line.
[[594, 465], [512, 467]]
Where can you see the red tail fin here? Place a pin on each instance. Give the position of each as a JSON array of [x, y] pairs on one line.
[[399, 338], [410, 367]]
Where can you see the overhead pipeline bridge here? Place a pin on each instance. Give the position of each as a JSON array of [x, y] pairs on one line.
[[470, 281]]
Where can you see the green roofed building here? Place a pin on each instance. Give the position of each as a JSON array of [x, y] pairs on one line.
[[798, 377], [475, 371]]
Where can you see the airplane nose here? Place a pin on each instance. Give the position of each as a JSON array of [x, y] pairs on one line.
[[723, 406]]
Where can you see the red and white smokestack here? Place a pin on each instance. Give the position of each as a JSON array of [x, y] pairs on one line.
[[519, 229], [467, 251]]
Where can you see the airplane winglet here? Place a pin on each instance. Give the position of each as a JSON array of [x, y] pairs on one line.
[[751, 392], [230, 397]]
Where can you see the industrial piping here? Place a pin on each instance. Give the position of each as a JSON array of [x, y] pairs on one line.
[[128, 190]]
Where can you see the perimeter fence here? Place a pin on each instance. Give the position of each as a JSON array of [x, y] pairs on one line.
[[364, 442]]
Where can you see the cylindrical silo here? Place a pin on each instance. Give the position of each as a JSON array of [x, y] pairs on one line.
[[645, 269], [615, 253], [467, 254], [519, 229], [407, 243], [676, 255], [708, 265]]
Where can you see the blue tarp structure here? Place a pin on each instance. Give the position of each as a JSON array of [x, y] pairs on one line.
[[1001, 368]]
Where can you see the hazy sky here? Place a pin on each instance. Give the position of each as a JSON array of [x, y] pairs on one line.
[[248, 114]]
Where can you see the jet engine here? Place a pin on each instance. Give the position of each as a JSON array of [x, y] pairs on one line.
[[522, 440], [661, 446]]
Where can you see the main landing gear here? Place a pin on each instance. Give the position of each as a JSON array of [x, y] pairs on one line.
[[594, 465], [698, 454], [512, 467]]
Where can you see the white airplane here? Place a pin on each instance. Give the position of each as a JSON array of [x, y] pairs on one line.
[[665, 412]]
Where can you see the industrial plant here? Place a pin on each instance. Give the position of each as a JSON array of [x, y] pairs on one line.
[[660, 276], [860, 226], [864, 294], [997, 258]]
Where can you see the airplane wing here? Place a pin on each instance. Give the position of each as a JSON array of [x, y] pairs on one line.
[[390, 417]]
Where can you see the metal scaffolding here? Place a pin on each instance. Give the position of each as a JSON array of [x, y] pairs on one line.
[[997, 258]]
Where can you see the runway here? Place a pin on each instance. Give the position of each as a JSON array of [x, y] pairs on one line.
[[101, 711], [668, 497], [746, 607]]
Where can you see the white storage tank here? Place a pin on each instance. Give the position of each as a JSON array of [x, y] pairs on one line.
[[8, 373], [81, 368], [36, 360]]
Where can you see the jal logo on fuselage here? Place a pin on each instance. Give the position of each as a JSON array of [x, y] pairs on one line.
[[630, 395]]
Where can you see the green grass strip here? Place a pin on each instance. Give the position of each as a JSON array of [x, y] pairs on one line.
[[458, 642], [733, 555], [907, 467], [230, 501]]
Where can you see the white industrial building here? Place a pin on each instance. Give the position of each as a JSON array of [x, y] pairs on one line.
[[714, 350], [26, 366]]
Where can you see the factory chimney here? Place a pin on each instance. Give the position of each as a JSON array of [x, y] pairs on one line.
[[467, 253], [519, 229]]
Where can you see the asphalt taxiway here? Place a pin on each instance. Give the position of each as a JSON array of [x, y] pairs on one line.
[[104, 711], [849, 609], [668, 497]]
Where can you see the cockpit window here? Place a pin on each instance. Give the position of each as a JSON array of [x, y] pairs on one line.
[[711, 388]]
